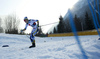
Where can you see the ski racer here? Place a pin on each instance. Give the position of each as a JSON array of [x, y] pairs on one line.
[[35, 24]]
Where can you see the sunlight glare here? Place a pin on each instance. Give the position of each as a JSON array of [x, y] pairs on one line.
[[71, 3]]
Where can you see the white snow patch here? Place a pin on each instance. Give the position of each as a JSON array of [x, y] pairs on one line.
[[48, 47]]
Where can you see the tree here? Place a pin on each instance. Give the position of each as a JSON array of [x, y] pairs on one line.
[[0, 22], [68, 27], [1, 29], [54, 31], [89, 23], [61, 27], [12, 24], [77, 23]]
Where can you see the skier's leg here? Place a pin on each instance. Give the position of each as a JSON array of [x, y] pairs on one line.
[[34, 33], [32, 38]]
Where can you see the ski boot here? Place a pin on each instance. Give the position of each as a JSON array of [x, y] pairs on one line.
[[33, 45]]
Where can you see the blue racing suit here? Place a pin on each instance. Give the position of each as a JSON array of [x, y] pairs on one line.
[[35, 29]]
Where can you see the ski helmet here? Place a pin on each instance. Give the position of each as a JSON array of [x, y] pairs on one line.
[[25, 18]]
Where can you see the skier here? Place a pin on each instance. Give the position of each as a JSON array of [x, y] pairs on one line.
[[35, 24]]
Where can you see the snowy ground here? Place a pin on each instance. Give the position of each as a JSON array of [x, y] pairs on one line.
[[48, 47]]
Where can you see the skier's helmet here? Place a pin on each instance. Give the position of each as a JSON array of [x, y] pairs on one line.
[[34, 23], [25, 18]]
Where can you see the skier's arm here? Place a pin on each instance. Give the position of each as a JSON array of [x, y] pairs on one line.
[[37, 23], [24, 28]]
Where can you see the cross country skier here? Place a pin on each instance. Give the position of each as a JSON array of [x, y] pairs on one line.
[[35, 24]]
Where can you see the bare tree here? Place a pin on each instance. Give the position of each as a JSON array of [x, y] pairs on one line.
[[12, 23], [1, 29], [0, 22]]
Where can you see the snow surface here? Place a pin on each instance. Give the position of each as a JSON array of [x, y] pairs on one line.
[[48, 47]]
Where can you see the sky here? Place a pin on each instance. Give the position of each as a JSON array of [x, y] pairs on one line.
[[46, 11]]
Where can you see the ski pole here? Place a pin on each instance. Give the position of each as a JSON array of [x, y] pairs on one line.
[[27, 37], [48, 24]]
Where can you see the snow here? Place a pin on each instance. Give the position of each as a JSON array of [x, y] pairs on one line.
[[48, 47]]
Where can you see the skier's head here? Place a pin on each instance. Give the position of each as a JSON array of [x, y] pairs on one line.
[[26, 19]]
